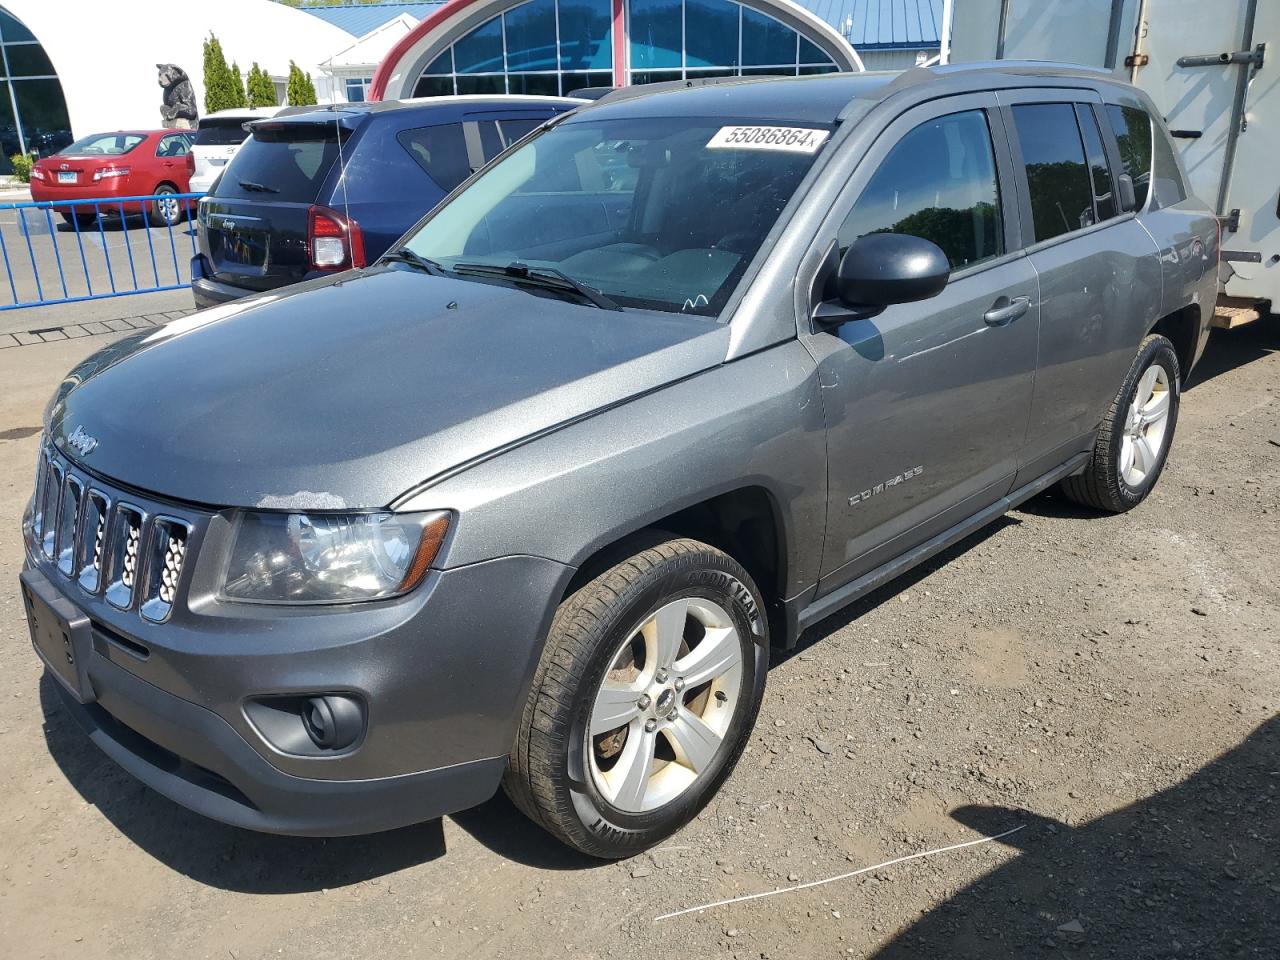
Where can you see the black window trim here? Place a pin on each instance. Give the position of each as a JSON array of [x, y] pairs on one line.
[[1073, 95], [1109, 149]]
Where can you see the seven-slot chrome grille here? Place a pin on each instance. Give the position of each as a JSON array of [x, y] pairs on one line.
[[105, 541]]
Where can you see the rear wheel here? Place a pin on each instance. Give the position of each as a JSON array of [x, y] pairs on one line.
[[643, 700], [1133, 443], [165, 210]]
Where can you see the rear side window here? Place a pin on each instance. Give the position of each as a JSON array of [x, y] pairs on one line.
[[440, 150], [289, 164], [938, 183], [173, 145], [1059, 182], [220, 133], [1133, 134]]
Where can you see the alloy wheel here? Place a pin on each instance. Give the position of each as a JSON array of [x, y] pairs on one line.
[[1146, 426], [168, 207], [660, 716]]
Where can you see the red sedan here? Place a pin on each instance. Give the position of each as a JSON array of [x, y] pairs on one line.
[[128, 163]]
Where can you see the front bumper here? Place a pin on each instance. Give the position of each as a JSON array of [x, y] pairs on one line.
[[443, 673], [195, 758]]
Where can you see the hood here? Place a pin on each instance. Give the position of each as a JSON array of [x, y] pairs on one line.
[[348, 392]]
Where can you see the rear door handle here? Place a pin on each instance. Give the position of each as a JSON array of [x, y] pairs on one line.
[[1005, 311]]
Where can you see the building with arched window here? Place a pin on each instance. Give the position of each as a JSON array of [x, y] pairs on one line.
[[555, 46]]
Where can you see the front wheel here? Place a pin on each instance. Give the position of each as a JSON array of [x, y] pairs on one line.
[[1133, 442], [643, 700]]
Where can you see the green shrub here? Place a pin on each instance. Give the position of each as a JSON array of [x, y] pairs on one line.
[[220, 85], [22, 163], [301, 91], [262, 92]]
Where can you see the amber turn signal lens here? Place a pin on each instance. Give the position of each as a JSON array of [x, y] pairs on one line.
[[433, 534]]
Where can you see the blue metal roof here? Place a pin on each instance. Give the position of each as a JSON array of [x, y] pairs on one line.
[[867, 24], [360, 18], [883, 24]]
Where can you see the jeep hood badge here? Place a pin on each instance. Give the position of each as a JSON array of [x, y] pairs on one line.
[[81, 442]]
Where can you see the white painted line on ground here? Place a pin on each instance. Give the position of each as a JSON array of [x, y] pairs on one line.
[[843, 876]]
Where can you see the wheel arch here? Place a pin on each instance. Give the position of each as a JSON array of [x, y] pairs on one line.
[[745, 522], [1182, 329]]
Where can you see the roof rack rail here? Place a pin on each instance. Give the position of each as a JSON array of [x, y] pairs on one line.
[[666, 86]]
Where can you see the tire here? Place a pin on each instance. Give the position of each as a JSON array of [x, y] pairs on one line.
[[1123, 470], [573, 782], [165, 213]]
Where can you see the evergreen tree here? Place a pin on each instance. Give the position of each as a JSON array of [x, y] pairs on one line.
[[262, 92], [237, 87], [301, 91], [219, 84]]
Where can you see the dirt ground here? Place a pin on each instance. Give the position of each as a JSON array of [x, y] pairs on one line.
[[1112, 684]]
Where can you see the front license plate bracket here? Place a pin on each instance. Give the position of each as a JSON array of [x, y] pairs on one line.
[[60, 633]]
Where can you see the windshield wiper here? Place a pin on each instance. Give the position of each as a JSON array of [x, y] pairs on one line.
[[405, 255], [544, 278], [257, 187]]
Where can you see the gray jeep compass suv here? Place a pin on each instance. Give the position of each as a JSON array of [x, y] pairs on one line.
[[528, 500]]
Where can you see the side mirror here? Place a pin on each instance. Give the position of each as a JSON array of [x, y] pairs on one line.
[[881, 269], [1128, 197]]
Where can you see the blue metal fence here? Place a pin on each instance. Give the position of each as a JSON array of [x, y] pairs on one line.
[[64, 251]]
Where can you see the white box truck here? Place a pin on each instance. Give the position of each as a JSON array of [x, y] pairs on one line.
[[1212, 67]]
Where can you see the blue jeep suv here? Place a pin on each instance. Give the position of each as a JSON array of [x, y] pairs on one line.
[[284, 211]]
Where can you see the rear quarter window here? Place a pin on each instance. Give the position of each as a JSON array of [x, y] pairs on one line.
[[440, 150], [1133, 135], [1166, 178], [280, 166]]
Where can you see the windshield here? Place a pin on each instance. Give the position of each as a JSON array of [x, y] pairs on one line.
[[104, 144], [661, 213]]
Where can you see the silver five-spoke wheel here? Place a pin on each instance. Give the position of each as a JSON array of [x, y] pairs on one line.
[[1145, 429], [661, 714]]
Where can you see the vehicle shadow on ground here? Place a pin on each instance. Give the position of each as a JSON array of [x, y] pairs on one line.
[[214, 853], [1229, 349], [247, 862], [1193, 871]]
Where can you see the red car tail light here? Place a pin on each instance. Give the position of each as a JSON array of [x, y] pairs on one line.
[[334, 242], [38, 174], [191, 164], [106, 173]]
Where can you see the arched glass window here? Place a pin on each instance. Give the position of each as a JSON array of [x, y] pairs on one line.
[[539, 47], [33, 112], [679, 39], [557, 46]]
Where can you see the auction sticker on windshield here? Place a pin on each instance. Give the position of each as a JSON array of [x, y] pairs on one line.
[[788, 139]]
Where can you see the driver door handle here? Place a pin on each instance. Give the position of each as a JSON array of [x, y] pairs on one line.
[[1004, 311]]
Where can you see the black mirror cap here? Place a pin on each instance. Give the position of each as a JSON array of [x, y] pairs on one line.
[[881, 269], [1128, 196]]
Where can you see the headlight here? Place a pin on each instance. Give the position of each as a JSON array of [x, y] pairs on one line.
[[331, 558]]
